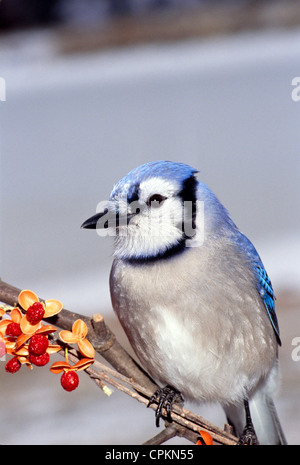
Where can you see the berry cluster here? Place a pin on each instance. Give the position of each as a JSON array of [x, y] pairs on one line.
[[29, 349], [26, 339], [69, 379]]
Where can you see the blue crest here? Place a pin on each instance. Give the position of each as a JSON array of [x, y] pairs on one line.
[[128, 186]]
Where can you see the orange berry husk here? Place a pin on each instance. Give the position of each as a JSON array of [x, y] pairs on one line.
[[206, 438]]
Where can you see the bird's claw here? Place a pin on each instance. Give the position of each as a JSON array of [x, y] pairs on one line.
[[165, 397], [248, 438]]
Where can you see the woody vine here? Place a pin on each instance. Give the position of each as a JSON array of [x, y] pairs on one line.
[[29, 335]]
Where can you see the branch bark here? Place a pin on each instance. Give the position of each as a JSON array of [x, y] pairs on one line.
[[126, 375]]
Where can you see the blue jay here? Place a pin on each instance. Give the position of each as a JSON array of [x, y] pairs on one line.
[[193, 297]]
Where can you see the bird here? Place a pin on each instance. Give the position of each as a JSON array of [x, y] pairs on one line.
[[193, 297]]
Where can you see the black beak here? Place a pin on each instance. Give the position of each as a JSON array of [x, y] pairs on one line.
[[92, 223], [112, 219]]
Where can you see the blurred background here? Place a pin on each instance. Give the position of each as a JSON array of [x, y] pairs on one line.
[[90, 90]]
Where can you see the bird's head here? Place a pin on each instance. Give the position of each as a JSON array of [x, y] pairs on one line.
[[151, 211]]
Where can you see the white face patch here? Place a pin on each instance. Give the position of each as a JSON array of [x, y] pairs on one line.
[[158, 186], [155, 228]]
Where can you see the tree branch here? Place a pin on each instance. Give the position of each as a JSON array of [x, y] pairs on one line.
[[127, 376], [186, 422], [99, 334]]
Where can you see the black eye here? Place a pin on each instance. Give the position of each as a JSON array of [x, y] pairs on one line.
[[156, 200]]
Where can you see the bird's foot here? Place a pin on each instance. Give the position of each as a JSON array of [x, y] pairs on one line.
[[248, 438], [165, 397]]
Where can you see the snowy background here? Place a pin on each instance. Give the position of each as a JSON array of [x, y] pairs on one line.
[[72, 125]]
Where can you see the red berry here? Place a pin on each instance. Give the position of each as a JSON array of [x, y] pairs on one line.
[[39, 360], [38, 344], [13, 365], [13, 329], [69, 380], [35, 313]]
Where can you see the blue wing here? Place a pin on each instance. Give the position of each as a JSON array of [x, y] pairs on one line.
[[263, 283], [266, 292]]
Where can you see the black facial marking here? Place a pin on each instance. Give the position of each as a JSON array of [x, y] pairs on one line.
[[133, 195], [188, 195], [180, 247]]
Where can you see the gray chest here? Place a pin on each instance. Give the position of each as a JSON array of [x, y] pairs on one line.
[[187, 323]]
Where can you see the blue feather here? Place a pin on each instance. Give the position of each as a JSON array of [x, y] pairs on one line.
[[165, 169], [262, 280], [264, 287]]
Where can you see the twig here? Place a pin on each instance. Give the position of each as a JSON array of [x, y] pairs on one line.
[[169, 432], [183, 418]]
